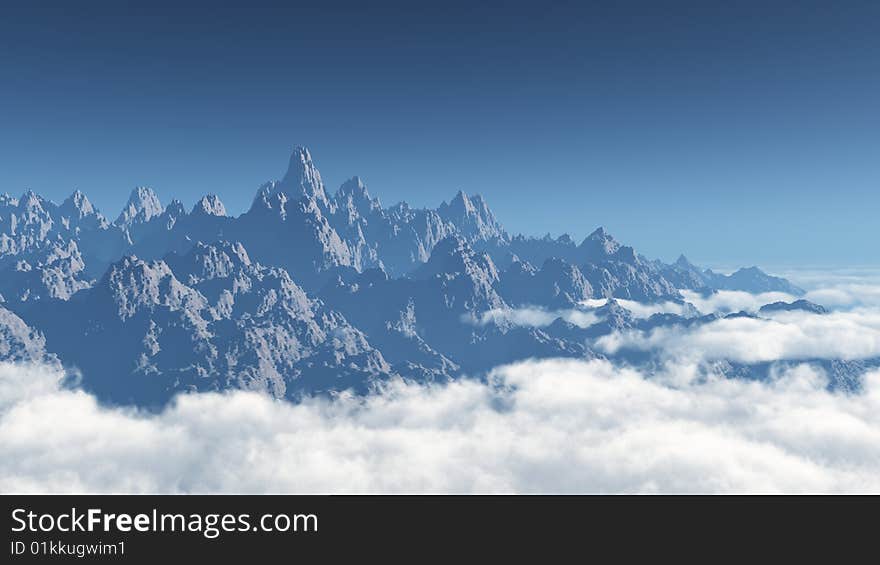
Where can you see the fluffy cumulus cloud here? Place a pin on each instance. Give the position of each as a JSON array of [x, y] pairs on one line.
[[840, 289], [550, 426], [726, 301], [583, 317], [853, 295], [847, 335], [851, 331]]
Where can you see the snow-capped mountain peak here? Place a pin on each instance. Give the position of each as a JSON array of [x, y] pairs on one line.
[[142, 206], [472, 216], [79, 204], [302, 177], [210, 205], [354, 198], [31, 201], [599, 244]]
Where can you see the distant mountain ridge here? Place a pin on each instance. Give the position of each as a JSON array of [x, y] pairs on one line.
[[307, 291]]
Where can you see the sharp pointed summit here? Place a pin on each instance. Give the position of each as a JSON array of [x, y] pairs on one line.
[[683, 262], [302, 177], [30, 200], [472, 216], [210, 205], [353, 196], [598, 244], [78, 213], [354, 187], [143, 205], [78, 203], [435, 287]]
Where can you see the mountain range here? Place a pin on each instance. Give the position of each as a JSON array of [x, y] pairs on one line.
[[312, 292]]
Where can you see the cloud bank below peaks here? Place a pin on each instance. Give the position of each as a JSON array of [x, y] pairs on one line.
[[536, 427], [784, 336]]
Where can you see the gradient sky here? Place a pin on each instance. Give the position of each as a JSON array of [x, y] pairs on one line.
[[736, 132]]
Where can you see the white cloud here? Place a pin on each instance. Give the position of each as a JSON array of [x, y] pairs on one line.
[[548, 426], [641, 309], [845, 296], [726, 301], [840, 288], [783, 336], [533, 316]]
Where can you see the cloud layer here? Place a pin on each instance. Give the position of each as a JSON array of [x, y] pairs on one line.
[[727, 301], [641, 309], [798, 335], [549, 426]]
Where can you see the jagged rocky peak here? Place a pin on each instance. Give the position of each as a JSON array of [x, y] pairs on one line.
[[564, 239], [616, 316], [29, 200], [263, 199], [558, 284], [683, 262], [33, 208], [78, 205], [173, 212], [78, 212], [519, 267], [7, 200], [19, 342], [210, 261], [143, 205], [683, 274], [354, 194], [752, 279], [302, 177], [175, 209], [29, 216], [453, 255], [472, 216], [600, 243], [566, 280], [460, 204], [355, 189], [210, 205], [132, 270], [798, 305], [135, 284]]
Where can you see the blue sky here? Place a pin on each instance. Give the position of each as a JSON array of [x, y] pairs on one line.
[[737, 132]]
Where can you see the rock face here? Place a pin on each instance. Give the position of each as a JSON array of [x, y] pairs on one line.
[[40, 255], [614, 270], [472, 218], [143, 205], [558, 284], [610, 268], [684, 274], [209, 205], [309, 292], [55, 271], [434, 315], [210, 320], [19, 342], [798, 305], [751, 279]]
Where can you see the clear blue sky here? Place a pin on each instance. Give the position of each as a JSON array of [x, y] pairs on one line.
[[736, 132]]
